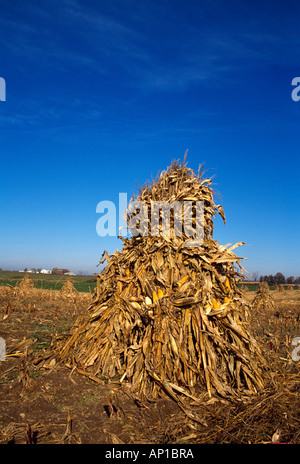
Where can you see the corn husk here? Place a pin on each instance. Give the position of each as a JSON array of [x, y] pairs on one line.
[[165, 316]]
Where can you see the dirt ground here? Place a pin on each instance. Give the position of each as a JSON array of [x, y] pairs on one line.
[[56, 405]]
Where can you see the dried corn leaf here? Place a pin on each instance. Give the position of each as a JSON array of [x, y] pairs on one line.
[[167, 317]]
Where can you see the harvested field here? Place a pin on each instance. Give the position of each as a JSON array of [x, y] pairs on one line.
[[56, 405], [82, 283], [168, 349]]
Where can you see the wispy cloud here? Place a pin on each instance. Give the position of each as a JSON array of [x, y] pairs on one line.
[[83, 37], [117, 41]]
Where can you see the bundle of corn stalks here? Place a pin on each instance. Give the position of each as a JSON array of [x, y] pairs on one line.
[[68, 290], [166, 316], [26, 284], [263, 300]]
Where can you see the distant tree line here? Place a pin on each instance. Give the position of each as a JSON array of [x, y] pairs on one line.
[[279, 278]]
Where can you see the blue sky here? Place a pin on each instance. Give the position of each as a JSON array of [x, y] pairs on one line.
[[100, 96]]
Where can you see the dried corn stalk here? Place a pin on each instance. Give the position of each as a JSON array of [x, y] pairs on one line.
[[68, 290], [263, 300], [26, 284], [166, 316]]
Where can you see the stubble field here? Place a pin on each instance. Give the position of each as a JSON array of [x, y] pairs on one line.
[[57, 405]]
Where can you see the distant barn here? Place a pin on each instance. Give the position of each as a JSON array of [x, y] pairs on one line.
[[61, 271]]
